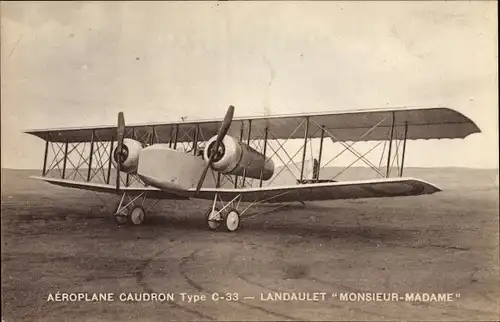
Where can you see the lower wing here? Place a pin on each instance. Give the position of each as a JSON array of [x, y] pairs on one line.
[[107, 188], [376, 188]]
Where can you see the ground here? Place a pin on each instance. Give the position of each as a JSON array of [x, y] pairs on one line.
[[63, 240]]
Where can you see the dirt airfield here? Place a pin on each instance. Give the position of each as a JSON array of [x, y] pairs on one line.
[[64, 240]]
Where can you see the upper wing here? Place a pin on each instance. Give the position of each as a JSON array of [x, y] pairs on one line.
[[376, 188], [423, 123]]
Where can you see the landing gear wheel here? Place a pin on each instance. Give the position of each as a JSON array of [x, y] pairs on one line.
[[121, 218], [137, 215], [213, 218], [232, 220]]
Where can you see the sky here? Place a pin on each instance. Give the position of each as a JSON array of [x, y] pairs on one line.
[[80, 63]]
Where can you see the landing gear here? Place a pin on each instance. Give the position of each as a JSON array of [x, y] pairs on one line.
[[121, 215], [229, 215], [130, 213], [214, 218], [232, 220], [229, 218], [137, 215]]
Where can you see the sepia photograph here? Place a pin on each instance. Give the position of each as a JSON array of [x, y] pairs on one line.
[[249, 161]]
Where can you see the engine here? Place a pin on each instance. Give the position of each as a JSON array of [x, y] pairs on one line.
[[236, 157], [130, 155]]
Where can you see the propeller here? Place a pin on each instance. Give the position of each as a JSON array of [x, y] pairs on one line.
[[120, 152], [220, 137]]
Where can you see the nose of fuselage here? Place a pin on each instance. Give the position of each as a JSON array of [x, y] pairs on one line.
[[163, 167]]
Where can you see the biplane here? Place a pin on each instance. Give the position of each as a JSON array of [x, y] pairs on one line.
[[236, 163]]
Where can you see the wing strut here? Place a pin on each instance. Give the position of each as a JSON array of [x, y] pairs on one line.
[[404, 151], [387, 172]]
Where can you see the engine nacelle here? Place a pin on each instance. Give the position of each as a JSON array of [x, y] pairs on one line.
[[235, 156], [131, 149]]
